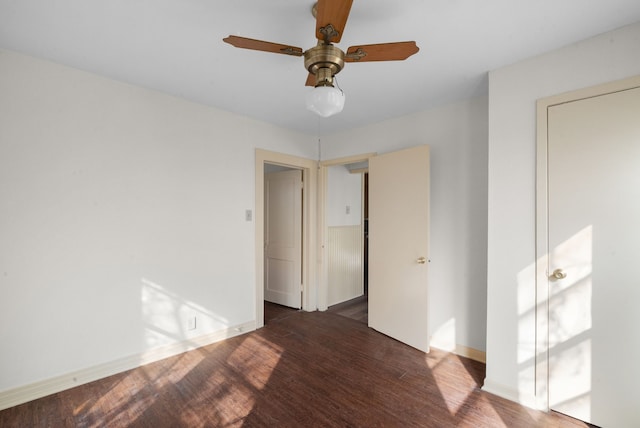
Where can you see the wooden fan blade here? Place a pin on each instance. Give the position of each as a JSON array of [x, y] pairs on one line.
[[260, 45], [311, 80], [332, 13], [381, 52]]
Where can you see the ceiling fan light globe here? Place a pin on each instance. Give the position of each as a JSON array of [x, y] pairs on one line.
[[325, 101]]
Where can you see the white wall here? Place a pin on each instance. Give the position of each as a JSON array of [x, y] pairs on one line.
[[457, 135], [513, 92], [122, 215], [343, 189]]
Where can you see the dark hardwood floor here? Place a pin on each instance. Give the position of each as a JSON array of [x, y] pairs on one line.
[[302, 369], [356, 309]]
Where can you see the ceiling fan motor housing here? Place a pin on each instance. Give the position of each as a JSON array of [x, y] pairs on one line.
[[324, 61]]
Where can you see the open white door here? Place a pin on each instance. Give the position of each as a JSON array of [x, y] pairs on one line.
[[398, 245], [283, 238]]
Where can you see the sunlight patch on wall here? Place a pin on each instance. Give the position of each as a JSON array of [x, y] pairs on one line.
[[526, 346], [570, 323], [169, 317], [567, 327], [526, 314], [444, 337]]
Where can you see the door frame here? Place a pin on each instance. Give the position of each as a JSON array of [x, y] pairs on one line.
[[323, 231], [542, 282], [309, 170]]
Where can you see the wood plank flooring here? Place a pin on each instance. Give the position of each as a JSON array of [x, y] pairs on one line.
[[302, 369], [356, 309]]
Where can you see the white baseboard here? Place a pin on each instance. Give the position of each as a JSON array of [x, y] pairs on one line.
[[465, 351], [500, 390], [23, 394], [474, 354], [511, 394]]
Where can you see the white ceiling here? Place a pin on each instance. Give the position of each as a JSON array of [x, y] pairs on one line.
[[175, 46]]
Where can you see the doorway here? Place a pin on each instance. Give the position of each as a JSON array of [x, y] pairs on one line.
[[308, 168], [342, 208], [346, 219], [283, 200], [345, 229]]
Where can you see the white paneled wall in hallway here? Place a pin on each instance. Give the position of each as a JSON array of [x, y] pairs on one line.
[[345, 263]]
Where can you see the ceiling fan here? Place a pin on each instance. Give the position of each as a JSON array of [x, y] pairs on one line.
[[325, 60]]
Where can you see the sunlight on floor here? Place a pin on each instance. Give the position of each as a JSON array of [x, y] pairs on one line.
[[257, 358], [440, 363], [456, 387], [235, 401], [230, 400], [116, 406], [166, 316], [162, 375]]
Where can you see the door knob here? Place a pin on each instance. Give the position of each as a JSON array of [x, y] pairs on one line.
[[558, 274], [421, 260]]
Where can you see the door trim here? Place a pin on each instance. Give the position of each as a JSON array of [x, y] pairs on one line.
[[309, 184], [323, 232], [542, 224]]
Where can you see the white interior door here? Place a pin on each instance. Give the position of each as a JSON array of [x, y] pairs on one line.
[[283, 238], [594, 250], [398, 245]]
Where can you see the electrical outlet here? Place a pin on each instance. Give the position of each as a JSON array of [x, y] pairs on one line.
[[348, 209], [191, 323]]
